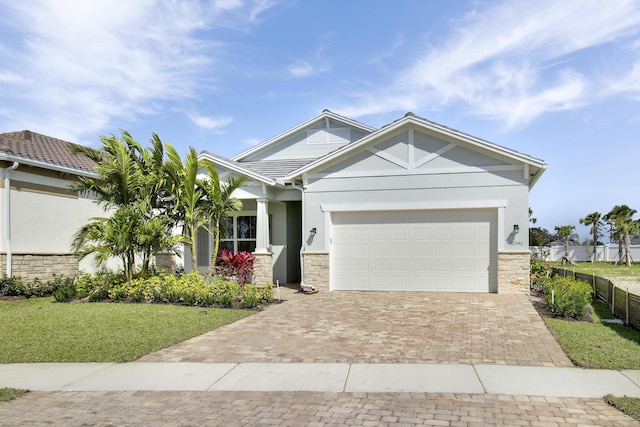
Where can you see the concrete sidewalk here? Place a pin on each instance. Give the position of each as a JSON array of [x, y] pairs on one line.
[[322, 377]]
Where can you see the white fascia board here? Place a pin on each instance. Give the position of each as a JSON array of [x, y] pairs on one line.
[[45, 165], [235, 168], [414, 206], [324, 115], [424, 124]]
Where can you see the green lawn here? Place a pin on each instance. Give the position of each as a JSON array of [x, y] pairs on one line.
[[41, 330], [628, 405], [598, 345], [603, 269]]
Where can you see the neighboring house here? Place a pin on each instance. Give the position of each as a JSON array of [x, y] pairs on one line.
[[412, 206], [39, 214]]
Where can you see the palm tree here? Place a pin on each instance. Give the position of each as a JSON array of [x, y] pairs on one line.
[[620, 218], [566, 233], [131, 185], [119, 181], [186, 187], [594, 219], [219, 204]]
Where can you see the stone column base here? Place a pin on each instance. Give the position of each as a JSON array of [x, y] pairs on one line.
[[514, 275], [165, 262], [263, 268], [316, 270]]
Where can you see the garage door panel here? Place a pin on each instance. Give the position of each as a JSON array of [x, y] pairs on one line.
[[421, 250], [400, 266], [465, 250]]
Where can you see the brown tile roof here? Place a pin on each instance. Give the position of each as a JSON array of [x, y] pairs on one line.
[[42, 148]]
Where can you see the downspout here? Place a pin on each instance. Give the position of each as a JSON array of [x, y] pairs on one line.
[[7, 214], [303, 286]]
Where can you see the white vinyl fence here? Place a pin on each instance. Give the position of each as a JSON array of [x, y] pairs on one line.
[[582, 253]]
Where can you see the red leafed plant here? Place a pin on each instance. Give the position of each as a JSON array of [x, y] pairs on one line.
[[238, 265]]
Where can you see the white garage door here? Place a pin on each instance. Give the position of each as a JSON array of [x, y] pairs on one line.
[[412, 250]]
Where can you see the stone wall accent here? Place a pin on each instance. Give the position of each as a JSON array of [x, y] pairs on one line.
[[263, 268], [43, 266], [316, 270], [165, 261], [513, 272]]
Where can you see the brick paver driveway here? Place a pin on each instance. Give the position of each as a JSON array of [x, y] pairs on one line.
[[231, 409], [383, 327]]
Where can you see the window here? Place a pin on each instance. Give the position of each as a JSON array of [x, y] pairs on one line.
[[239, 234]]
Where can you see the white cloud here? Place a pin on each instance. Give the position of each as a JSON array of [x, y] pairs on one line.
[[301, 69], [211, 122], [82, 65], [508, 62]]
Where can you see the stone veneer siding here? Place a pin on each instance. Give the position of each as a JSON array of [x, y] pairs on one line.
[[513, 272], [316, 270], [263, 268], [43, 266]]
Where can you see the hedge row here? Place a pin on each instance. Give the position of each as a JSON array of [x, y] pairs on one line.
[[189, 289]]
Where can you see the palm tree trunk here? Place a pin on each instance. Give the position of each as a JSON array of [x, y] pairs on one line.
[[194, 254], [627, 249], [216, 247]]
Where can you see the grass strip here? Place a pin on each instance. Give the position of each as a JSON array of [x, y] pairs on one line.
[[41, 330], [598, 345], [628, 405], [602, 269], [7, 393]]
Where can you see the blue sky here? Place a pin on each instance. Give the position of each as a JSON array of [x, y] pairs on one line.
[[558, 80]]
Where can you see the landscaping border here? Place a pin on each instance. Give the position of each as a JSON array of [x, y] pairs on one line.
[[623, 304]]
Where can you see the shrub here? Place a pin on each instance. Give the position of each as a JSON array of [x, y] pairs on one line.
[[96, 287], [236, 265], [226, 292], [65, 293], [266, 293], [11, 286], [566, 296], [540, 274], [250, 295]]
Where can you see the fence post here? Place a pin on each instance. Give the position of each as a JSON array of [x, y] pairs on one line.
[[613, 298], [626, 314]]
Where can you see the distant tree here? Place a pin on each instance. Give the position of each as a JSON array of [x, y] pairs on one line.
[[532, 220], [622, 226], [567, 235], [539, 236], [594, 219]]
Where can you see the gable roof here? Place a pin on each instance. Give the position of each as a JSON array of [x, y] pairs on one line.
[[413, 119], [237, 167], [43, 151], [326, 114]]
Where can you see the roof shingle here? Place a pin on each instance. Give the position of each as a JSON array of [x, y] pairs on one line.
[[43, 148]]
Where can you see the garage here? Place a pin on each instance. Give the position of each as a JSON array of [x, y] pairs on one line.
[[435, 250]]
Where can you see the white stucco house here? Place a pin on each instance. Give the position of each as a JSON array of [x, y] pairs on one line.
[[38, 213], [413, 206]]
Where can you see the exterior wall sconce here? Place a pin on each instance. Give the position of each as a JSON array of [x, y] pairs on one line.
[[516, 229], [313, 231]]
